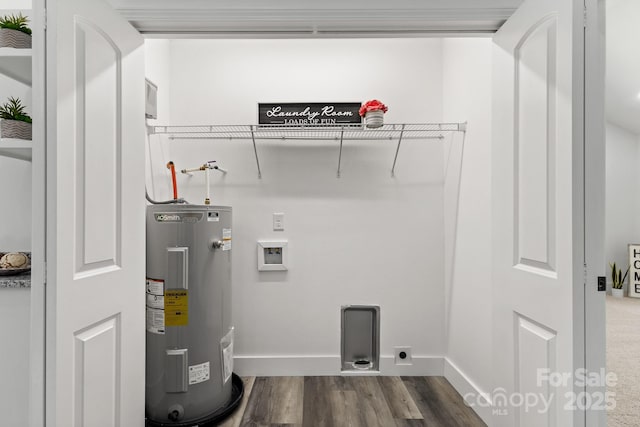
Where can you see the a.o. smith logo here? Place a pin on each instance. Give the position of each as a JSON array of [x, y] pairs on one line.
[[189, 217], [168, 217]]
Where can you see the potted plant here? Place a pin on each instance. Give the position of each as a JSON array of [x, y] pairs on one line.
[[14, 32], [373, 113], [15, 122], [617, 280]]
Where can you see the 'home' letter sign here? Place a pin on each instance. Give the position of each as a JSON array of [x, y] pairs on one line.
[[634, 271]]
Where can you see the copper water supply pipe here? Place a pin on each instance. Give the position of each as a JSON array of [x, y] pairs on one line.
[[172, 167]]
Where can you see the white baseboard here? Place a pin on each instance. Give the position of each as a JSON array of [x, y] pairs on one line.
[[274, 366], [286, 366], [423, 366], [479, 400]]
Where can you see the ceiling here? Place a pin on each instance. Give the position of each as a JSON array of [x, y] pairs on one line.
[[317, 18], [623, 63]]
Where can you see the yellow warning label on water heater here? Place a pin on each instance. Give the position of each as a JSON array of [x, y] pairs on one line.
[[176, 307]]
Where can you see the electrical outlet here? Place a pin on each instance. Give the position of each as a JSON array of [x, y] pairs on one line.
[[403, 356]]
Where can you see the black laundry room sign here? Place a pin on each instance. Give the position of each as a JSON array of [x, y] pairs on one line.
[[309, 114]]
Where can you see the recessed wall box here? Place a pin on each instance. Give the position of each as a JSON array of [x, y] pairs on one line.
[[272, 255], [151, 104], [360, 341]]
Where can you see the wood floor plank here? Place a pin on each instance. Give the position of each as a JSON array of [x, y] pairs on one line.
[[421, 395], [398, 398], [446, 405], [412, 423], [256, 410], [236, 418], [374, 410], [334, 383], [317, 409], [253, 424], [345, 408], [321, 405], [286, 403], [275, 400], [455, 403]]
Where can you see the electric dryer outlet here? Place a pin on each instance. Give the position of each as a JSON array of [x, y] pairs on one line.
[[403, 355]]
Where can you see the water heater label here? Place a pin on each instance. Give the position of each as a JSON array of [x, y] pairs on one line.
[[155, 301], [176, 307], [155, 287], [226, 239], [155, 306], [155, 321], [198, 373], [226, 345]]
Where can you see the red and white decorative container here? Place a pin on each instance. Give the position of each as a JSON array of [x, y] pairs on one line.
[[373, 113], [374, 119]]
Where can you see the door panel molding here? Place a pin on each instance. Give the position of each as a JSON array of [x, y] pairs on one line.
[[97, 366], [535, 132], [98, 148], [535, 355]]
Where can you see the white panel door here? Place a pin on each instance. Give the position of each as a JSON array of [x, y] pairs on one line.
[[538, 215], [95, 217]]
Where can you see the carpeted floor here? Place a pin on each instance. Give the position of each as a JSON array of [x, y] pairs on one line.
[[623, 358]]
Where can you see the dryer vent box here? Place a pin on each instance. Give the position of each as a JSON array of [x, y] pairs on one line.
[[151, 96], [360, 340]]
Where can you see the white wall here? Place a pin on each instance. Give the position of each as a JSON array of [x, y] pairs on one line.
[[14, 348], [622, 213], [365, 238], [157, 69], [467, 96]]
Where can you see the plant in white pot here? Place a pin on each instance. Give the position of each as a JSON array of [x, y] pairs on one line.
[[14, 32], [15, 122], [617, 280]]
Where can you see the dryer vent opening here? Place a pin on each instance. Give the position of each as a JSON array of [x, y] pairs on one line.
[[360, 338]]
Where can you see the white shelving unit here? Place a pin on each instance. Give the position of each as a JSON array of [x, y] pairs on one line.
[[15, 148], [388, 132], [16, 64]]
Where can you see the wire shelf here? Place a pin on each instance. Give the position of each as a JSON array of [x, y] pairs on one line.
[[310, 132], [340, 133]]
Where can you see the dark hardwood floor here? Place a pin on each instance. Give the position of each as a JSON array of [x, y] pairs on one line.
[[355, 401]]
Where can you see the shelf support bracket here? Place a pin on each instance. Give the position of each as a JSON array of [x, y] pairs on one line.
[[340, 154], [395, 159], [255, 151]]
